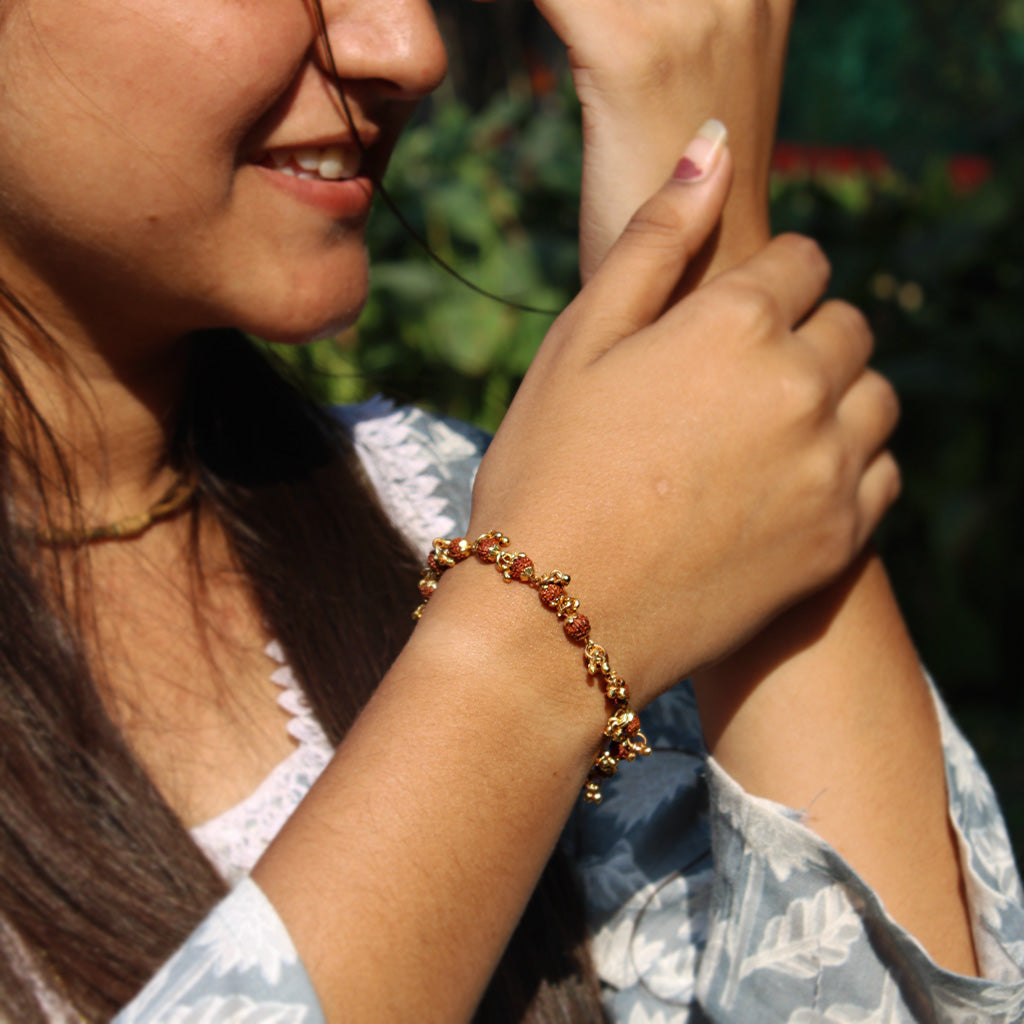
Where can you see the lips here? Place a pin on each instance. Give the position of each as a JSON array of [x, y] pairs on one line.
[[316, 163]]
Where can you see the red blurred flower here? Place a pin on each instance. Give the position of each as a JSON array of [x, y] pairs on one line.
[[796, 158], [543, 80], [968, 173]]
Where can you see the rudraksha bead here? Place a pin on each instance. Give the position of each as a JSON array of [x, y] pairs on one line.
[[518, 569], [549, 594], [488, 549], [458, 549], [577, 628]]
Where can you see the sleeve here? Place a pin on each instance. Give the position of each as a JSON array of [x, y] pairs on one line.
[[709, 904], [239, 965], [422, 466]]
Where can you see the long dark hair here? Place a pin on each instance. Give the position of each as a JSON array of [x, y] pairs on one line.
[[99, 880]]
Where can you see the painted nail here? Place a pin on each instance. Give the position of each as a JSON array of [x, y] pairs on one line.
[[701, 155]]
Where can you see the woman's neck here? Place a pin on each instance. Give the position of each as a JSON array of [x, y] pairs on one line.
[[112, 422]]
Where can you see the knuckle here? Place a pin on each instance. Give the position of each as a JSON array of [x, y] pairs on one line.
[[853, 324], [846, 542], [805, 394], [753, 309], [824, 476], [807, 252], [883, 401], [852, 318], [837, 521], [891, 476]]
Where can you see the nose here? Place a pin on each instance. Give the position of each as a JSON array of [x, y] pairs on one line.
[[394, 43]]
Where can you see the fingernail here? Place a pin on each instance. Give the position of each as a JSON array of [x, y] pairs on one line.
[[702, 154]]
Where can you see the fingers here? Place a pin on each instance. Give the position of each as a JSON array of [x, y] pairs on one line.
[[879, 487], [791, 272], [869, 412], [839, 336], [636, 279], [867, 415]]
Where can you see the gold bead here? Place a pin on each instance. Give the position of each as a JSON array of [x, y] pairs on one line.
[[621, 725]]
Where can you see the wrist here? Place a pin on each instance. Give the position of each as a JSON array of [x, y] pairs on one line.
[[501, 653], [622, 739]]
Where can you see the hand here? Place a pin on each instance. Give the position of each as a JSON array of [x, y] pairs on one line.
[[648, 73], [697, 464]]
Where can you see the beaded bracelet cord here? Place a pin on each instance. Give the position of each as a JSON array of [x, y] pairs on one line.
[[625, 741]]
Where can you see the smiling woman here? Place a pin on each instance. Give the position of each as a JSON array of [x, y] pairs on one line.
[[190, 109], [209, 672]]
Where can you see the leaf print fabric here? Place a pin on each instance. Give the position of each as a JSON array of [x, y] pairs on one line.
[[787, 932], [812, 933], [239, 966]]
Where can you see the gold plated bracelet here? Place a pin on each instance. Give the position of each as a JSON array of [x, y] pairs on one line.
[[625, 741]]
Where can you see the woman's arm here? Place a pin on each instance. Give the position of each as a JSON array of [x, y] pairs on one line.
[[403, 873], [828, 709]]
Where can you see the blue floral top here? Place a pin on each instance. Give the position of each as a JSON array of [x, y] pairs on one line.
[[704, 903]]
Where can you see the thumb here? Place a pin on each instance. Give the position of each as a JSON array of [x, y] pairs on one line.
[[635, 281]]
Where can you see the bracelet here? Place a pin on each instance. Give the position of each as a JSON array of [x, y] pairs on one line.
[[625, 740]]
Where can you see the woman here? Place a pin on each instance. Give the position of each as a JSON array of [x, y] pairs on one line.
[[205, 177]]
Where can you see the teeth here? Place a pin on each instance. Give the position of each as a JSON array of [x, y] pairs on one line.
[[330, 163], [333, 164], [308, 159]]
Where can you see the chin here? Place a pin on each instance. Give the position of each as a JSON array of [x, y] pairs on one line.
[[304, 323], [302, 337]]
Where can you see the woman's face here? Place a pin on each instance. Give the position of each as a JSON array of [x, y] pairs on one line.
[[152, 155]]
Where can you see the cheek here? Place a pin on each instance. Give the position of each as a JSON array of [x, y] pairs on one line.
[[120, 120], [169, 80]]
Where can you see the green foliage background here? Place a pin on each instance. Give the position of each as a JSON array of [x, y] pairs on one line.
[[493, 185]]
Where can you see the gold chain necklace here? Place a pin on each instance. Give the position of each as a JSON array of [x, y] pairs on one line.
[[174, 500]]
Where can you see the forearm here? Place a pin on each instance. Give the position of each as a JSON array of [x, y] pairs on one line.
[[828, 712], [427, 833]]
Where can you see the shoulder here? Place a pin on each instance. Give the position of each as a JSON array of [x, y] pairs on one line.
[[421, 465]]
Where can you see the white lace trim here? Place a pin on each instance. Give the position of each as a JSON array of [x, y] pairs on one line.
[[236, 839], [405, 453]]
